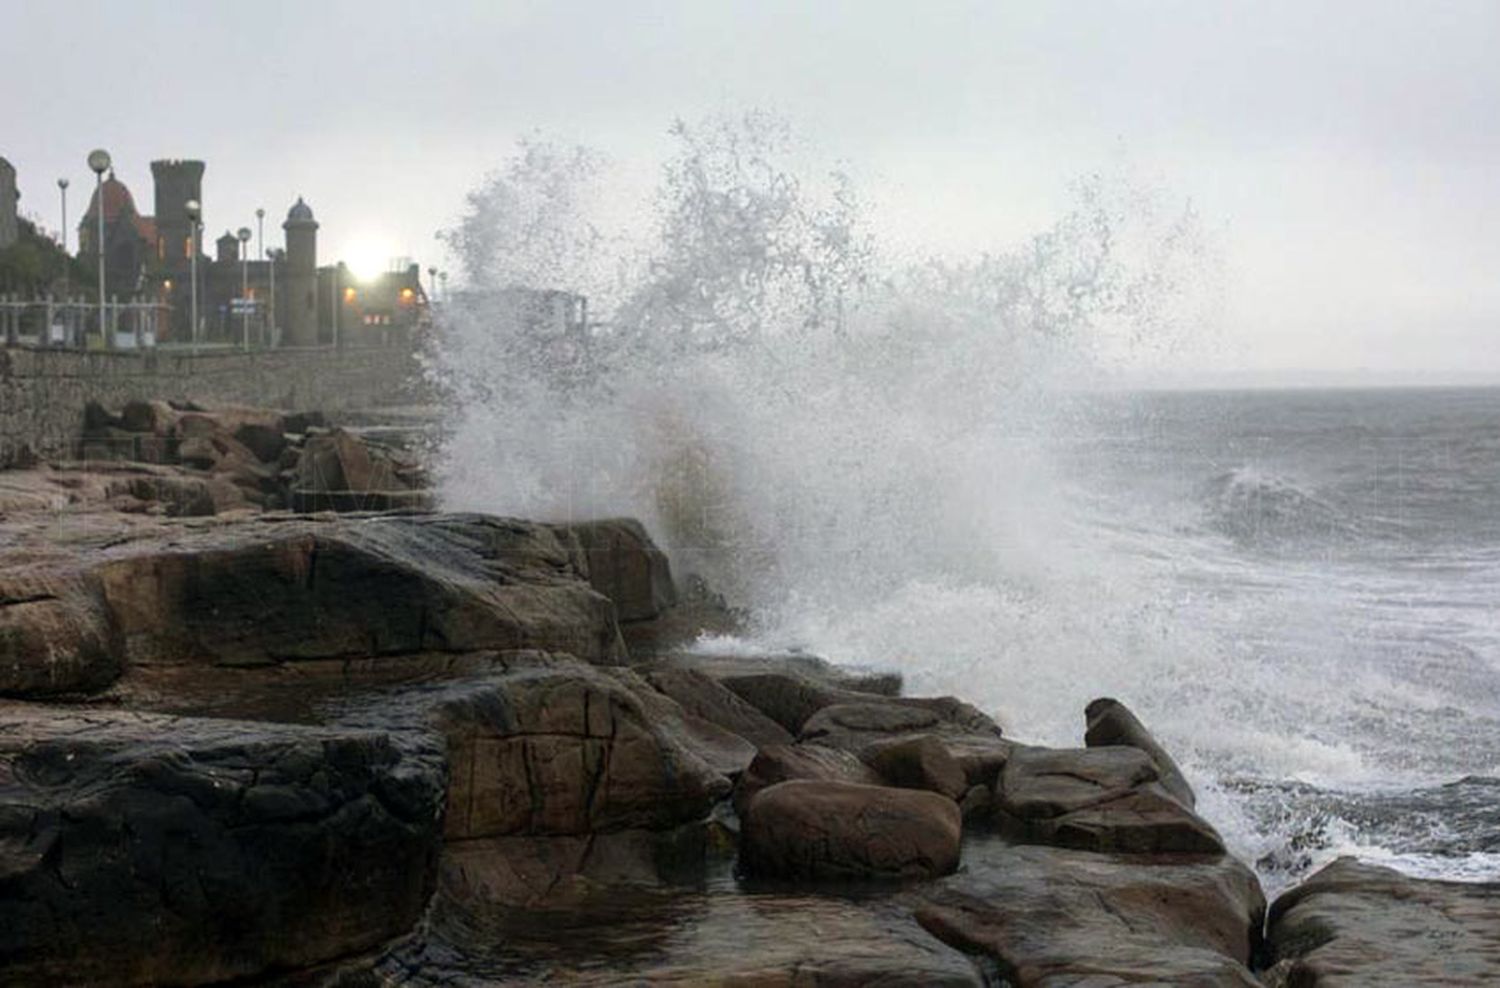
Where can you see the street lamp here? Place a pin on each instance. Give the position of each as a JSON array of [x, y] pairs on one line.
[[194, 211], [443, 277], [244, 235], [62, 187], [99, 163], [432, 281], [260, 234], [275, 257]]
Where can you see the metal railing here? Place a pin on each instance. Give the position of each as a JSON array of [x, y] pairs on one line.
[[74, 322]]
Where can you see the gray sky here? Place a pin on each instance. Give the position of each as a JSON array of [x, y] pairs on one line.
[[1346, 152]]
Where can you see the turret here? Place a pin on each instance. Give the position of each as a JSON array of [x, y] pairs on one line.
[[177, 182], [301, 275]]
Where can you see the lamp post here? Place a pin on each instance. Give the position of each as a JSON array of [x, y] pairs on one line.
[[443, 277], [62, 188], [260, 234], [194, 211], [432, 281], [274, 256], [99, 164], [244, 235]]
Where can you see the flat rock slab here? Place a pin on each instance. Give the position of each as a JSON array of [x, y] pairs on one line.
[[143, 849], [79, 607], [1355, 924], [684, 937], [1050, 917]]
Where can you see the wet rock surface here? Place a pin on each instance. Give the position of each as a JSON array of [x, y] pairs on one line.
[[1361, 924], [1097, 799], [139, 849], [1050, 916], [412, 748], [820, 829]]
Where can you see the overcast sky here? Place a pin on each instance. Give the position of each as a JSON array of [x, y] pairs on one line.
[[1346, 153]]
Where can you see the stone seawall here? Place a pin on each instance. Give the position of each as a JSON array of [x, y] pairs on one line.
[[43, 392]]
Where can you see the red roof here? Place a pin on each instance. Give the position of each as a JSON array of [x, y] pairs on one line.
[[118, 200]]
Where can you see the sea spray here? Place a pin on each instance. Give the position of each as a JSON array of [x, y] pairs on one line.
[[878, 458]]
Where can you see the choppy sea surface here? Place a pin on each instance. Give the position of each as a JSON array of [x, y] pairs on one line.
[[1335, 557]]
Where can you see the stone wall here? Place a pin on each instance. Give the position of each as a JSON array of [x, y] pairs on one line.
[[43, 392]]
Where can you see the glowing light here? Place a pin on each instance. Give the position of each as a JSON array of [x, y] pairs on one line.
[[407, 295], [369, 257], [167, 284], [350, 294]]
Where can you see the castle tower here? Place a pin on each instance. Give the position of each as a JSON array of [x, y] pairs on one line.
[[176, 183], [301, 275], [8, 196]]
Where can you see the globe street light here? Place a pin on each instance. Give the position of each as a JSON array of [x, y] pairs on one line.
[[260, 234], [194, 211], [99, 163], [244, 235], [432, 280]]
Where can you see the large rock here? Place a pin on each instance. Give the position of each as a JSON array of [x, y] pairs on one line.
[[792, 687], [1097, 799], [920, 762], [624, 929], [1355, 924], [561, 750], [274, 591], [869, 723], [705, 697], [626, 566], [1110, 723], [1049, 917], [782, 762], [149, 850], [805, 829], [55, 634]]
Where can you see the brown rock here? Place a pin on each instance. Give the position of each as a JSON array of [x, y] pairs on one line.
[[564, 750], [1098, 799], [148, 850], [55, 634], [1359, 924], [860, 726], [920, 762], [805, 829], [703, 696], [1110, 723], [1051, 917], [263, 592], [624, 565], [780, 762]]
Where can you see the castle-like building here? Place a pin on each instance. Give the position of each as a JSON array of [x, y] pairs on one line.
[[282, 299]]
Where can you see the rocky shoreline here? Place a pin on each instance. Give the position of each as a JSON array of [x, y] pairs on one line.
[[242, 744]]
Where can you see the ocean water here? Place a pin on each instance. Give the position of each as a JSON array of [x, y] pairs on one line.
[[1338, 554], [1296, 590]]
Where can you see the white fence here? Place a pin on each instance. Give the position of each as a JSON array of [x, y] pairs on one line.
[[74, 322]]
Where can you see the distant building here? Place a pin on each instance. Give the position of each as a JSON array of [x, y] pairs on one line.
[[130, 240], [284, 299], [9, 231]]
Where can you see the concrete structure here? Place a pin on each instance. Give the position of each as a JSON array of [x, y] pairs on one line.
[[43, 392], [9, 231], [299, 300]]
